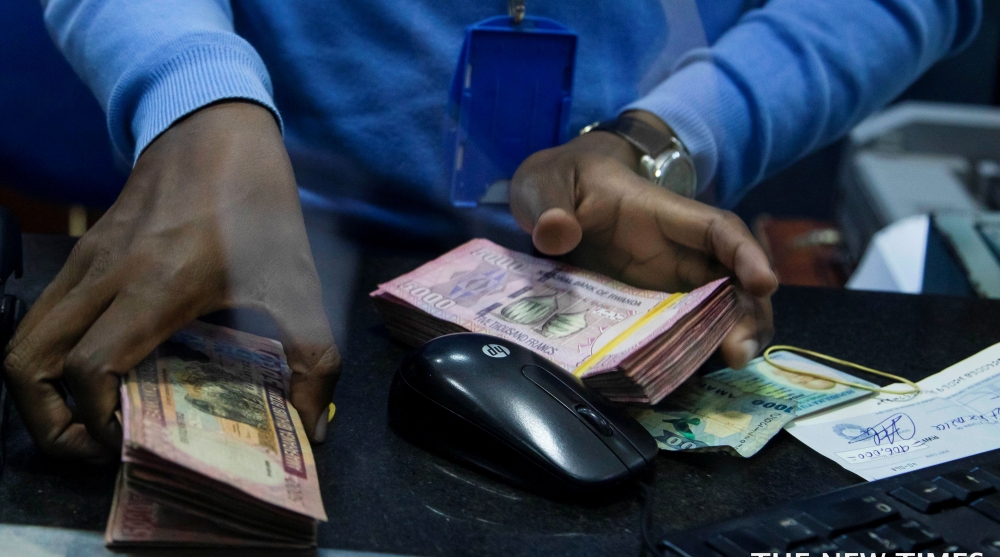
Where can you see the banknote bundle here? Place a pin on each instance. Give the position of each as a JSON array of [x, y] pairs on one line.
[[213, 453], [631, 344], [706, 416], [738, 411]]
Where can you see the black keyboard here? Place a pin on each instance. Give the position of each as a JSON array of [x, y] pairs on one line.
[[952, 507]]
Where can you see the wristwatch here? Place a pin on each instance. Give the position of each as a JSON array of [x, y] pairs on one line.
[[665, 161]]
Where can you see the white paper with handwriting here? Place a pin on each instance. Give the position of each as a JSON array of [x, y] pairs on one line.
[[956, 414]]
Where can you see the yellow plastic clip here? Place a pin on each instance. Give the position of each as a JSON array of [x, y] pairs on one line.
[[787, 348]]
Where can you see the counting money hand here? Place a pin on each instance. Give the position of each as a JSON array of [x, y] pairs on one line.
[[631, 344], [213, 453]]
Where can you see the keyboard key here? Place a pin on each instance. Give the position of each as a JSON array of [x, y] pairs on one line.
[[990, 472], [948, 548], [853, 513], [740, 543], [992, 544], [909, 535], [669, 549], [924, 496], [789, 531], [819, 548], [965, 485], [989, 506], [866, 541]]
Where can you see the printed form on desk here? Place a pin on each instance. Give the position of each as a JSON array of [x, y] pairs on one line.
[[956, 414]]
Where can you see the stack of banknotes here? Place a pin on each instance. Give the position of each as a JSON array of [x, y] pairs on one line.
[[213, 452], [631, 344], [737, 411]]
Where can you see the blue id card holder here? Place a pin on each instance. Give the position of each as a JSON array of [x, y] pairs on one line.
[[510, 97]]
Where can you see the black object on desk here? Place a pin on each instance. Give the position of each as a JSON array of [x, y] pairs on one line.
[[384, 494], [948, 508], [11, 308], [504, 409]]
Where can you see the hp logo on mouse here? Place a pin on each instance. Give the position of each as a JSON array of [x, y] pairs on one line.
[[496, 350]]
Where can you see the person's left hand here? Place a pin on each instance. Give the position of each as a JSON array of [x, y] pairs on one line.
[[585, 200]]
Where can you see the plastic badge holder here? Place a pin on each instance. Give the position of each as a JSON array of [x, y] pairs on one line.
[[510, 97]]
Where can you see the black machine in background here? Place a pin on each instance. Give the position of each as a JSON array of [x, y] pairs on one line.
[[11, 307], [948, 508]]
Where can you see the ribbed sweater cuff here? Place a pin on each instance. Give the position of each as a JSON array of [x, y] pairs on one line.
[[206, 68], [709, 115]]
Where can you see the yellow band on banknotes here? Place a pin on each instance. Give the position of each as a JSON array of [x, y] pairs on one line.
[[607, 348], [787, 348]]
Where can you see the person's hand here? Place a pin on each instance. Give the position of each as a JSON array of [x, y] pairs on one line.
[[209, 220], [585, 199]]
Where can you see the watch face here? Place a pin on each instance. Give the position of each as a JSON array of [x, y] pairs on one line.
[[675, 171]]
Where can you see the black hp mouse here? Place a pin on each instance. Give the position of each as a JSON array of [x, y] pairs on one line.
[[502, 408]]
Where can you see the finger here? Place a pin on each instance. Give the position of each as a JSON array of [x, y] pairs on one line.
[[47, 418], [311, 352], [687, 269], [727, 238], [35, 365], [71, 274], [544, 204], [718, 233], [752, 332], [137, 321]]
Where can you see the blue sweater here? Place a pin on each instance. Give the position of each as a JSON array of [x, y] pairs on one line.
[[360, 87]]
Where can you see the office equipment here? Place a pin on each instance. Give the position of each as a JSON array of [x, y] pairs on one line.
[[917, 158], [957, 254], [502, 408], [953, 507], [963, 255]]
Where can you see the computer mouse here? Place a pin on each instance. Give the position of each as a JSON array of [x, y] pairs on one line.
[[498, 407]]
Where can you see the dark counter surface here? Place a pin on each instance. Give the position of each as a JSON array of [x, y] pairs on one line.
[[383, 494]]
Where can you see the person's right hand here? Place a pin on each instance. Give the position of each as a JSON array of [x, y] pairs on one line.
[[584, 200], [209, 220]]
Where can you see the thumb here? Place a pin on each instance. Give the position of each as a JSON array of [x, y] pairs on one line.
[[556, 232], [544, 203], [314, 360]]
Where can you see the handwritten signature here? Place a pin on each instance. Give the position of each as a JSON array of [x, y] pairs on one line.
[[896, 426], [970, 420]]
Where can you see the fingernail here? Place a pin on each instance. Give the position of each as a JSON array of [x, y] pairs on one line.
[[319, 434], [750, 347]]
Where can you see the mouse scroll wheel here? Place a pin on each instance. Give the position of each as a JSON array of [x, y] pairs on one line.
[[599, 423]]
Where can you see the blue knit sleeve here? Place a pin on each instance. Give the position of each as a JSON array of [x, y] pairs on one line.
[[795, 75], [152, 63]]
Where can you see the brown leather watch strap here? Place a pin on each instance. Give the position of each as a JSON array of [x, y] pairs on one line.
[[644, 137]]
